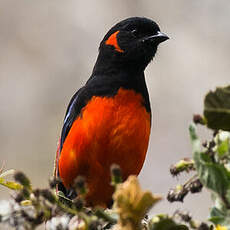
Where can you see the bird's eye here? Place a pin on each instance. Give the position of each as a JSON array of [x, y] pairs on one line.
[[134, 32]]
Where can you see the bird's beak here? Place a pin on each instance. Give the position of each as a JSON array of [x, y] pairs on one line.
[[158, 38]]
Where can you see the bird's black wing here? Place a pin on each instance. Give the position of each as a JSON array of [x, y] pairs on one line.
[[77, 102]]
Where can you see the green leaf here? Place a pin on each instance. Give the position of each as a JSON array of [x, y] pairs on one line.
[[220, 218], [216, 216], [217, 109], [10, 184], [222, 149], [165, 224], [212, 175], [228, 195]]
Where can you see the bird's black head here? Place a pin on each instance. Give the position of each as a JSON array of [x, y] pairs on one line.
[[131, 43]]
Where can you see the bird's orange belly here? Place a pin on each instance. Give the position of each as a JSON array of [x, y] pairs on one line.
[[109, 130]]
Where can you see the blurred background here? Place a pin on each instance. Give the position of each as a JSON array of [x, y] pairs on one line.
[[48, 49]]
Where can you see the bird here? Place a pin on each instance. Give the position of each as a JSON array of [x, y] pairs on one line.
[[108, 120]]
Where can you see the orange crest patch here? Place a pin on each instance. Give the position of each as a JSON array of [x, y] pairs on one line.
[[112, 40]]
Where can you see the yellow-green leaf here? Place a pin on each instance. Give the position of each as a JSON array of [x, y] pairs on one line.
[[10, 184]]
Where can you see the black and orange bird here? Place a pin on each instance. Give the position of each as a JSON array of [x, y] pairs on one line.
[[108, 120]]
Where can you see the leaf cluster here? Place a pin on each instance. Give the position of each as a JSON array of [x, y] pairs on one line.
[[211, 159]]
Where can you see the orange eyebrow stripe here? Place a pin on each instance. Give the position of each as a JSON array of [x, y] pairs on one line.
[[112, 40]]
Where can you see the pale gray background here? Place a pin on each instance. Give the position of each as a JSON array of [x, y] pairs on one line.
[[48, 49]]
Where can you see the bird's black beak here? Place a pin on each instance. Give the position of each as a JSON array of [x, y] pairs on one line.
[[157, 38]]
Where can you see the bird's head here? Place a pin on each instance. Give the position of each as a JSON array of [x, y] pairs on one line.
[[132, 42]]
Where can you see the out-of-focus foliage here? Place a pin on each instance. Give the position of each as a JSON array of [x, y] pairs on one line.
[[217, 109], [30, 208]]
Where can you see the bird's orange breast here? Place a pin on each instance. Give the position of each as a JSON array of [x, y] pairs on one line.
[[109, 130]]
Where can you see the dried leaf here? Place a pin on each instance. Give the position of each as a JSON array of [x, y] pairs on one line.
[[132, 203]]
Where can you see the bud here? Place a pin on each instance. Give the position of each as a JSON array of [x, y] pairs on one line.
[[203, 226], [54, 181], [184, 216], [25, 193], [183, 165], [80, 185], [198, 119], [177, 194], [48, 195], [19, 197], [116, 175], [22, 179], [195, 186]]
